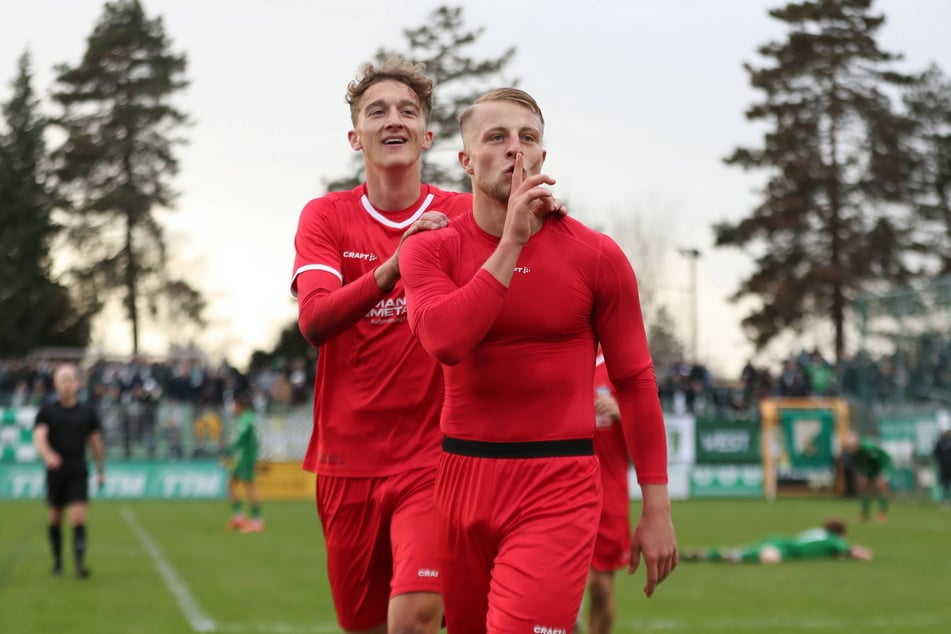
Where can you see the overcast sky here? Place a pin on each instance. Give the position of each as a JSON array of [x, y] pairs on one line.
[[642, 99]]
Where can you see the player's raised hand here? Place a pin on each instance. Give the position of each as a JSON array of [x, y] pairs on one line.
[[528, 201]]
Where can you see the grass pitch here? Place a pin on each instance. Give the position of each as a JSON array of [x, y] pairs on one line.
[[170, 568]]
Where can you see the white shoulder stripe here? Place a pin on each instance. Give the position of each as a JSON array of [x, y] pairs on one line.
[[314, 267], [383, 220]]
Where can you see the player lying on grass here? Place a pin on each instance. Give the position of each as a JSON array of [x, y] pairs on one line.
[[825, 542]]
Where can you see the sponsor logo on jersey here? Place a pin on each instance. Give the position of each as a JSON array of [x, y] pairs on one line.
[[541, 629], [388, 311], [524, 270], [356, 255], [428, 572]]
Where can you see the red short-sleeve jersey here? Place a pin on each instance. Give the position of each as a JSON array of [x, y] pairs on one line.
[[377, 393]]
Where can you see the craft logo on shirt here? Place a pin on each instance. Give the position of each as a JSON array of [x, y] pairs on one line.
[[428, 572], [388, 311], [356, 255], [524, 270], [542, 629]]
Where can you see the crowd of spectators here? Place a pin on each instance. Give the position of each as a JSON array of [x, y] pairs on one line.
[[179, 407], [170, 408], [917, 374]]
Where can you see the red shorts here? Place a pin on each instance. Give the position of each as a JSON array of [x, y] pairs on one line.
[[612, 548], [516, 537], [381, 542]]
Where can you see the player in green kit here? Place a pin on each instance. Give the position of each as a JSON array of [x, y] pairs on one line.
[[825, 542], [243, 452], [873, 466]]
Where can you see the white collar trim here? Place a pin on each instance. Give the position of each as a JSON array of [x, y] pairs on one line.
[[383, 220]]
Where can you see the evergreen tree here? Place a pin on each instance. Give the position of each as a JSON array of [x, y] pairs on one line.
[[441, 44], [35, 310], [929, 106], [116, 161], [832, 221]]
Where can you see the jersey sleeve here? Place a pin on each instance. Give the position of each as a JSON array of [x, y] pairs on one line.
[[95, 425], [434, 300], [326, 306], [619, 325], [42, 417]]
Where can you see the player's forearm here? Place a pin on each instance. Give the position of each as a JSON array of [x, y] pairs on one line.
[[42, 444], [655, 499], [387, 274], [501, 264], [323, 314], [451, 326], [643, 423], [95, 441]]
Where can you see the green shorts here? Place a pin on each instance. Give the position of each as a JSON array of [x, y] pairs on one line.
[[243, 471]]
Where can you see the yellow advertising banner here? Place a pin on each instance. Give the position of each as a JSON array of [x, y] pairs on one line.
[[284, 481]]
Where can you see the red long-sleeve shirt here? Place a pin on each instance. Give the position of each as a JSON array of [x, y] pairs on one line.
[[519, 361]]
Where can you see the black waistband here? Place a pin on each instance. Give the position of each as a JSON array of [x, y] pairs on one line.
[[531, 449]]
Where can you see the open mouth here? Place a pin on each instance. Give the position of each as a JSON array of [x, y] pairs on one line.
[[394, 141]]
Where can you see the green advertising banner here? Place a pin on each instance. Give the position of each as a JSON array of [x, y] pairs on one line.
[[722, 441], [804, 448], [726, 481], [808, 436], [126, 480]]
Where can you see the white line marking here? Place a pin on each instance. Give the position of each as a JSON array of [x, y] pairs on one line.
[[197, 619]]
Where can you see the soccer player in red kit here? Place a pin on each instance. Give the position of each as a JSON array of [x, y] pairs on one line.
[[513, 303], [612, 547], [375, 440]]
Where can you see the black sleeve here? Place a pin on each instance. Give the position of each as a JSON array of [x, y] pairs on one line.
[[42, 417]]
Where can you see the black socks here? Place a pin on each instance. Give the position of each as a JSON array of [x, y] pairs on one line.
[[79, 549], [56, 545]]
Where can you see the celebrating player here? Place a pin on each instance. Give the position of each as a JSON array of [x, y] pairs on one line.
[[513, 303]]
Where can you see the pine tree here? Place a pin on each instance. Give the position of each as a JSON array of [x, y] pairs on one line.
[[441, 44], [929, 106], [35, 310], [833, 219], [116, 162]]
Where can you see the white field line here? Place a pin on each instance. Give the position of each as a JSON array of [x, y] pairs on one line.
[[197, 619], [895, 624], [194, 614]]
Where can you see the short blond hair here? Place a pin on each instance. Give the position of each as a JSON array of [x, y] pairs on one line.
[[394, 68], [513, 95]]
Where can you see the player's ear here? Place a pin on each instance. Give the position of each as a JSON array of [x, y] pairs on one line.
[[466, 161], [428, 140], [354, 139]]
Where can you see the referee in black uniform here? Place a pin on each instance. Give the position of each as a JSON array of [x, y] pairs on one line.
[[61, 432]]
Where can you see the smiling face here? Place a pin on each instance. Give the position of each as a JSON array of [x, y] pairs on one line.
[[390, 127], [493, 133]]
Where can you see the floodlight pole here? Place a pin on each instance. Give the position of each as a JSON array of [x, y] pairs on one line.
[[693, 255]]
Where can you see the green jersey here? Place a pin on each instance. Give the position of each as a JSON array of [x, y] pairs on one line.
[[244, 448], [815, 543], [870, 459]]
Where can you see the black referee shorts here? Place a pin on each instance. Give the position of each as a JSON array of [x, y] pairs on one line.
[[67, 485]]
